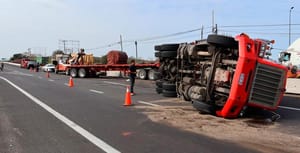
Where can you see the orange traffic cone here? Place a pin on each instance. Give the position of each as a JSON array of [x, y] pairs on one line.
[[48, 75], [71, 83], [127, 98]]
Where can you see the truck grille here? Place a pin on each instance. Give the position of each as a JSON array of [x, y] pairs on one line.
[[267, 85]]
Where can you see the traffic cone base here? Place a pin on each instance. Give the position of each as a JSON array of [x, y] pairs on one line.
[[127, 98], [71, 83]]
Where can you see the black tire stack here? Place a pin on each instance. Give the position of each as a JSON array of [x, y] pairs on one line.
[[165, 83]]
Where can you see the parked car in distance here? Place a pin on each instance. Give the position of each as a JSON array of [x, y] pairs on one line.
[[48, 67]]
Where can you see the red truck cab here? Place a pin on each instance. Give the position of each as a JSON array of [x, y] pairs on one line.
[[257, 82]]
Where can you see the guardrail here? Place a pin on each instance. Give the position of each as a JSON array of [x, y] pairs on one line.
[[293, 86], [15, 64]]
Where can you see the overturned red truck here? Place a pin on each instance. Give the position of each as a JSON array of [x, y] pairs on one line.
[[221, 75]]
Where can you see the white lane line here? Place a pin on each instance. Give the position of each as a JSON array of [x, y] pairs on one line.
[[93, 139], [290, 108], [96, 91], [116, 83], [50, 80], [19, 73], [147, 103]]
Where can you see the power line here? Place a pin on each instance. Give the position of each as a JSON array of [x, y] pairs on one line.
[[149, 38], [258, 25], [199, 29], [266, 33]]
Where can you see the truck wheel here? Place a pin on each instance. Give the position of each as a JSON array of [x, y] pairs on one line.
[[159, 90], [167, 93], [157, 47], [168, 54], [169, 86], [67, 71], [159, 83], [157, 54], [152, 75], [222, 41], [55, 71], [157, 75], [142, 74], [82, 73], [186, 94], [169, 47], [203, 108], [73, 72]]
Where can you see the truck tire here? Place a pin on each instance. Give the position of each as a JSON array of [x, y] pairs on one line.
[[82, 73], [157, 75], [157, 47], [67, 71], [168, 54], [167, 93], [157, 54], [73, 72], [168, 47], [152, 74], [159, 90], [186, 93], [222, 41], [169, 86], [159, 83], [203, 108], [142, 74]]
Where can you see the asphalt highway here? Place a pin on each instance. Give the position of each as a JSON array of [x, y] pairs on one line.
[[40, 114]]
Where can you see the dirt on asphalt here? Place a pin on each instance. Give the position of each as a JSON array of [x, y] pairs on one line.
[[261, 135]]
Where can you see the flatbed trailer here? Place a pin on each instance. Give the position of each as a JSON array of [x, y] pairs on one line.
[[144, 71]]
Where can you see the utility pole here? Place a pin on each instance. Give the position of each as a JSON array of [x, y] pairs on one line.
[[290, 18], [213, 21], [64, 41], [136, 50], [202, 32], [121, 43]]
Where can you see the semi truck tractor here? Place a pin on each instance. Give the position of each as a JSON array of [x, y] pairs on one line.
[[28, 63], [291, 59], [221, 75]]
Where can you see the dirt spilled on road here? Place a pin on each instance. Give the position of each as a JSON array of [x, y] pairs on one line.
[[255, 134]]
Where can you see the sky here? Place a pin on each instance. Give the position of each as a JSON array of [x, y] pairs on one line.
[[97, 25]]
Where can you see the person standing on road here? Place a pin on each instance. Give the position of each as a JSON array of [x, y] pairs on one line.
[[132, 75], [2, 66], [37, 67]]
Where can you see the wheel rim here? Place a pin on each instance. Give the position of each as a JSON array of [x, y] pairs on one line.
[[142, 74], [151, 75], [73, 73], [82, 73]]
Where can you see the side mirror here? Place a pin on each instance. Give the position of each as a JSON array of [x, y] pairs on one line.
[[285, 56], [294, 69]]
